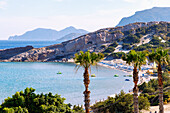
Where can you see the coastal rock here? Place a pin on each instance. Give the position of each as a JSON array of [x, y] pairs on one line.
[[8, 53], [91, 41]]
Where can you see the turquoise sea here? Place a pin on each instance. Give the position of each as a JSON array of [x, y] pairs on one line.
[[6, 44], [43, 77]]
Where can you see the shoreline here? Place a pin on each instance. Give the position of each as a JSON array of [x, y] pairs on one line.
[[111, 64]]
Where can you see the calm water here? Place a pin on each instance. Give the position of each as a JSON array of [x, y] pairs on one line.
[[5, 44], [42, 76]]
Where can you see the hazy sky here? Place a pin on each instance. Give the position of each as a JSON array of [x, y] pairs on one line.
[[19, 16]]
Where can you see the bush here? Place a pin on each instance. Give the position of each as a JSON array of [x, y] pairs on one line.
[[143, 103], [122, 103], [117, 55], [28, 101], [78, 109], [126, 46], [131, 39], [109, 50], [150, 89], [103, 46], [106, 54], [143, 47], [155, 41], [114, 44]]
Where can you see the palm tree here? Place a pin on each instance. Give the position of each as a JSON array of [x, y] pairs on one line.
[[161, 57], [137, 59], [86, 60]]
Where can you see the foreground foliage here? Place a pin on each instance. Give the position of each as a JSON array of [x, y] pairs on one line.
[[29, 102], [150, 90], [122, 103]]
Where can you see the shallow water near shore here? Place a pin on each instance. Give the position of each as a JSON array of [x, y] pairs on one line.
[[16, 76]]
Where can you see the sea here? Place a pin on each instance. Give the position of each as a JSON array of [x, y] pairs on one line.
[[16, 76], [6, 44]]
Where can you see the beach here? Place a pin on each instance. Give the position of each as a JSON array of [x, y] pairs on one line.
[[119, 64]]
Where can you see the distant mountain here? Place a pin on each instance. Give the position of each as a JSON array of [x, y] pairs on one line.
[[41, 34], [70, 36], [154, 14]]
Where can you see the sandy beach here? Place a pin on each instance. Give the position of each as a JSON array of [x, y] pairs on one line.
[[110, 64], [119, 64]]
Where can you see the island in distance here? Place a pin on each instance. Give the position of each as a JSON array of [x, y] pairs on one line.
[[42, 34]]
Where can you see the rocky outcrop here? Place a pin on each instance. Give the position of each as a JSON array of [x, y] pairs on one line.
[[8, 53], [91, 41]]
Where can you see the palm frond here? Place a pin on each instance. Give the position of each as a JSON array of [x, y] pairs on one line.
[[86, 59]]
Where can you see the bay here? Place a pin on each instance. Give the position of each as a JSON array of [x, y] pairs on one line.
[[16, 76]]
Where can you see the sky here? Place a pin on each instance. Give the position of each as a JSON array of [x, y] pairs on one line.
[[19, 16]]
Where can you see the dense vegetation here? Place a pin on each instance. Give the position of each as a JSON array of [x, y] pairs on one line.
[[150, 89], [110, 48], [126, 46], [159, 30], [154, 43], [114, 44], [122, 103], [131, 39], [116, 55], [29, 102]]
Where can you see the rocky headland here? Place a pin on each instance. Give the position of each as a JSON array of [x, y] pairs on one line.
[[65, 50]]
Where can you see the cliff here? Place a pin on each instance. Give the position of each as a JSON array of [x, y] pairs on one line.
[[8, 53], [91, 41]]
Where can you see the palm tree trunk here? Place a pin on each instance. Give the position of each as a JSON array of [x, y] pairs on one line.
[[160, 83], [135, 90], [86, 92]]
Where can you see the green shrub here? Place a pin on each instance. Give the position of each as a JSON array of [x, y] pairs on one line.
[[117, 55], [155, 41], [109, 50], [126, 46], [78, 109], [114, 44], [122, 103], [103, 46], [28, 101], [131, 39]]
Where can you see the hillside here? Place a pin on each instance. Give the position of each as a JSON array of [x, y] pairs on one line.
[[154, 14], [41, 34], [70, 36], [138, 36]]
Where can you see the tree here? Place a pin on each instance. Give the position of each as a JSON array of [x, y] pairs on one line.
[[121, 103], [137, 59], [161, 57], [29, 102], [86, 60]]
